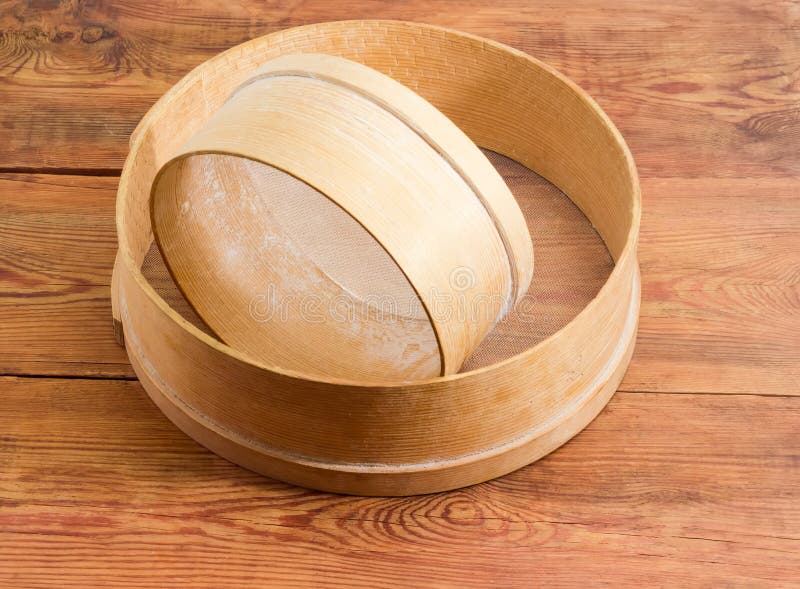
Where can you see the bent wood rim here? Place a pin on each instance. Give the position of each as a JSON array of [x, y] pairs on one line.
[[373, 438], [397, 480], [287, 128]]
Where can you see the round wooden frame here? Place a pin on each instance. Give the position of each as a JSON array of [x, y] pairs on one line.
[[431, 435], [321, 106]]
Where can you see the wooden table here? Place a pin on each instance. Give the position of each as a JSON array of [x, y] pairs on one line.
[[691, 476]]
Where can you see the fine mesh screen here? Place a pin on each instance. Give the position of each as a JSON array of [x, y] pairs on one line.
[[571, 265]]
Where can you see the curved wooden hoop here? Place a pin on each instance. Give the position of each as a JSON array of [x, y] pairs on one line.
[[426, 436], [395, 182]]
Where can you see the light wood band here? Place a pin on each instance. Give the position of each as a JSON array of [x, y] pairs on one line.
[[432, 435], [386, 157]]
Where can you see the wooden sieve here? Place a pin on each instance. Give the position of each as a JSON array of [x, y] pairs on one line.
[[371, 438], [414, 186]]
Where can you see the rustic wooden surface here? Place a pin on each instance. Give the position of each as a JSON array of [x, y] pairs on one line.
[[691, 476]]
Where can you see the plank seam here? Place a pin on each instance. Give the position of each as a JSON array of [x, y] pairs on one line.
[[12, 375], [62, 171]]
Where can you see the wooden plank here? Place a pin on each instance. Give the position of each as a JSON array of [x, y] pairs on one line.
[[60, 330], [56, 230], [57, 247], [697, 91], [720, 264], [721, 289], [96, 487]]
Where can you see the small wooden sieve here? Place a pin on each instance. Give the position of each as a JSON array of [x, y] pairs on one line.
[[414, 185]]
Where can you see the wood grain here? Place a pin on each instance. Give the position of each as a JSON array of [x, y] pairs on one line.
[[710, 92], [721, 287], [57, 246], [713, 499], [56, 230], [662, 489], [719, 276]]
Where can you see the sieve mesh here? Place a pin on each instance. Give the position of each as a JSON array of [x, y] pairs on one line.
[[571, 265]]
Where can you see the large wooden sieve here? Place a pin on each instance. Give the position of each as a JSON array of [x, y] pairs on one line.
[[441, 433]]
